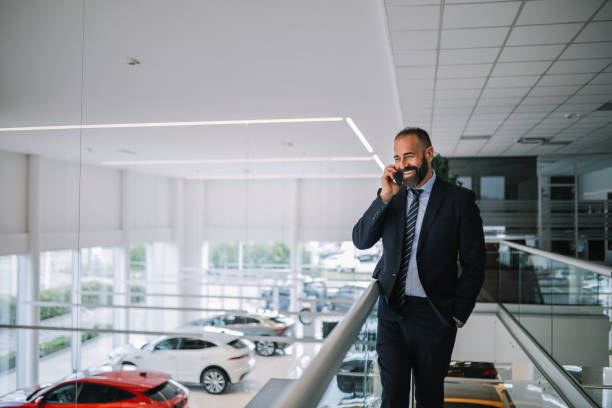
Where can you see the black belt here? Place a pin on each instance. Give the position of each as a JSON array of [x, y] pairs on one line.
[[410, 302]]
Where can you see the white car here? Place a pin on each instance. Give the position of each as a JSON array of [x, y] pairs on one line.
[[213, 359]]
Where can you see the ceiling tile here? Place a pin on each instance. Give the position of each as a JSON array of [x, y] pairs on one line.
[[579, 108], [406, 93], [415, 73], [605, 13], [531, 53], [554, 90], [415, 84], [597, 31], [414, 57], [413, 18], [589, 99], [557, 11], [501, 110], [414, 40], [448, 103], [411, 2], [480, 15], [476, 37], [547, 34], [468, 56], [538, 100], [464, 83], [504, 92], [544, 108], [565, 79], [463, 71], [510, 81], [457, 93], [603, 78], [578, 66], [588, 50], [597, 89], [520, 68], [499, 101]]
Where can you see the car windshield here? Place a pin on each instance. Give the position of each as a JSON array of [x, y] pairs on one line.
[[37, 393]]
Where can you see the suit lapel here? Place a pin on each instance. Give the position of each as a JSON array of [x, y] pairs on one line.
[[433, 205]]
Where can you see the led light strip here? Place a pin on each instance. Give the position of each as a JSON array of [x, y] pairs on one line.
[[239, 160], [175, 124], [285, 176], [348, 120]]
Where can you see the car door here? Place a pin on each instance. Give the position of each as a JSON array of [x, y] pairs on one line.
[[62, 396], [96, 395], [195, 355], [164, 356]]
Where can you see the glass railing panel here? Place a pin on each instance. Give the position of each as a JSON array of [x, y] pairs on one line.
[[357, 382]]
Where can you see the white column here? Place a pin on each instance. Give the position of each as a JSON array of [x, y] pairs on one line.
[[29, 284], [121, 318], [293, 242], [193, 225], [75, 312], [178, 236]]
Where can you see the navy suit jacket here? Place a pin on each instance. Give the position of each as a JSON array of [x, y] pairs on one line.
[[451, 228]]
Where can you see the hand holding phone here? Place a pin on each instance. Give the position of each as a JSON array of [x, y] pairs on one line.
[[398, 177]]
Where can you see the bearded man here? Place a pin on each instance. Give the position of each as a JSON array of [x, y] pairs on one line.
[[426, 224]]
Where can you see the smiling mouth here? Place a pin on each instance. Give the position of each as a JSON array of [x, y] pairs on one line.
[[409, 173]]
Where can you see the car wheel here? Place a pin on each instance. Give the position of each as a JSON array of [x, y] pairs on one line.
[[214, 380], [265, 348], [305, 319]]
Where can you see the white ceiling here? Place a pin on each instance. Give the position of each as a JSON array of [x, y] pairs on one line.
[[504, 69]]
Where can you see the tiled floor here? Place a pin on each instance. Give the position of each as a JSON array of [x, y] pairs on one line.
[[289, 364]]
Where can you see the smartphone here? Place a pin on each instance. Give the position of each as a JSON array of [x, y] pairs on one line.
[[399, 177]]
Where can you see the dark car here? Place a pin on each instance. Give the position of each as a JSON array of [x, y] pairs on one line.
[[472, 369], [312, 289], [346, 296]]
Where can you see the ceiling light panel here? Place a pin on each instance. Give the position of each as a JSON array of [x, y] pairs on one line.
[[477, 37], [413, 17], [578, 66], [597, 31], [480, 15], [588, 50], [414, 57], [531, 53], [547, 34], [414, 40], [557, 11]]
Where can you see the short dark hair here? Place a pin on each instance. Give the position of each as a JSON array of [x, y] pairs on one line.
[[418, 132]]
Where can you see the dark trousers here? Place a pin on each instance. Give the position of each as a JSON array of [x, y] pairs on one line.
[[419, 341]]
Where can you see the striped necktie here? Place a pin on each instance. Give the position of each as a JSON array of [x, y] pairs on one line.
[[399, 289]]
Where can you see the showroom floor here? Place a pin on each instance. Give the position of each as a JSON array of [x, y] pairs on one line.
[[289, 364]]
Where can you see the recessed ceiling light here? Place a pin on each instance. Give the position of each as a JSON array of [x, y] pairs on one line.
[[572, 115], [532, 140], [475, 137]]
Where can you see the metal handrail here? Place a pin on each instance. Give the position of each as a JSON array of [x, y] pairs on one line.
[[590, 266], [308, 391]]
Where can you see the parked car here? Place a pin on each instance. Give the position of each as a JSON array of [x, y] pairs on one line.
[[311, 288], [213, 359], [474, 395], [105, 388], [350, 377], [346, 292], [251, 324]]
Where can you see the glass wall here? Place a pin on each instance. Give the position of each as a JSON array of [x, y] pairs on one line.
[[8, 315]]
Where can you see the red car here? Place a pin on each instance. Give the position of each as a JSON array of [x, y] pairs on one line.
[[109, 389]]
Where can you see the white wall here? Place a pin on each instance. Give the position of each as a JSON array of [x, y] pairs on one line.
[[595, 185], [82, 207]]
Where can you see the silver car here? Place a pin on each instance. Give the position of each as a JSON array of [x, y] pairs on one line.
[[251, 324]]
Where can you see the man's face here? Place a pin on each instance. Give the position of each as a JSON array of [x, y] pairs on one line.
[[410, 156]]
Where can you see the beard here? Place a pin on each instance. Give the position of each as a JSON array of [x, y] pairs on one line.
[[419, 173]]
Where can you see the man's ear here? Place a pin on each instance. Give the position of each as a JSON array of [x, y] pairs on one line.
[[429, 153]]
